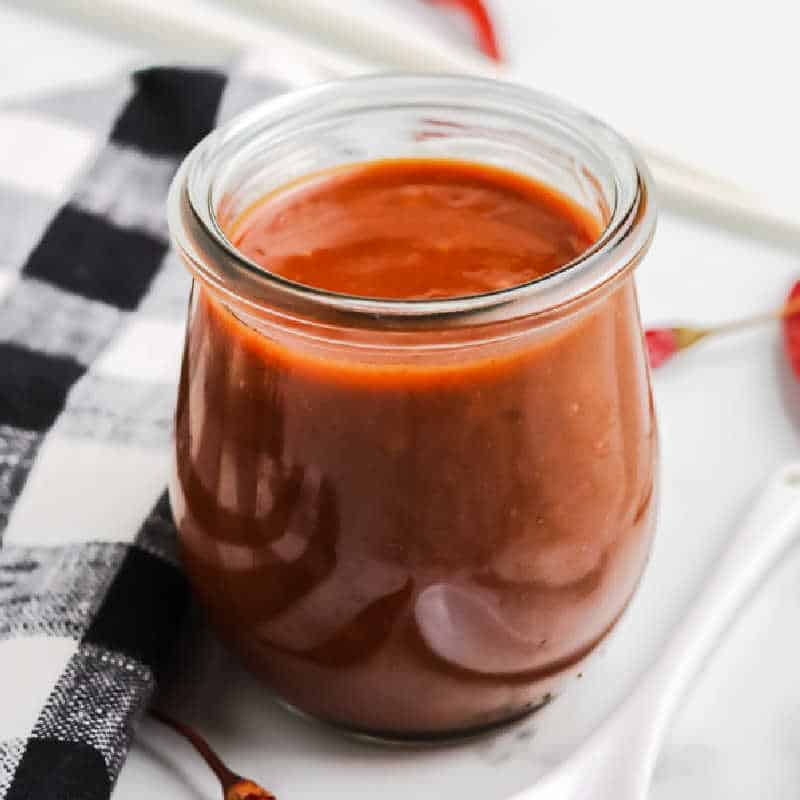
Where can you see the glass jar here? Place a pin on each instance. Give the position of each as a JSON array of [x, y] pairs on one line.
[[414, 518]]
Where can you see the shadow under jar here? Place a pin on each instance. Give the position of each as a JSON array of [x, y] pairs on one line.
[[414, 518]]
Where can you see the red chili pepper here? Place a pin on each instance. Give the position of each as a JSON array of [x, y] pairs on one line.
[[481, 24], [791, 331], [662, 344], [247, 790]]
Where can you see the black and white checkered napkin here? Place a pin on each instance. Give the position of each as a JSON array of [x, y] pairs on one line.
[[92, 303]]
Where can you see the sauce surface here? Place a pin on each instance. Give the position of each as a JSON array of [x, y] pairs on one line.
[[415, 229]]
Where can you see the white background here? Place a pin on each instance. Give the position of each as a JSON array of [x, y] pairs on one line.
[[713, 82]]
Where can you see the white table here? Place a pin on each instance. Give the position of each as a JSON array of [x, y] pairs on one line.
[[714, 82]]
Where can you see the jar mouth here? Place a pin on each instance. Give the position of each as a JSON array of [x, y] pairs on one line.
[[199, 189]]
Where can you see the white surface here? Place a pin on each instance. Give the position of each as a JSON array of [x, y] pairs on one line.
[[40, 53], [711, 81]]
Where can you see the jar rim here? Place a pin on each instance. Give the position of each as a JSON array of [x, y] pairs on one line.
[[210, 255]]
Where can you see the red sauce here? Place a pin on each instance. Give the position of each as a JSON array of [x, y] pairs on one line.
[[415, 542], [415, 230]]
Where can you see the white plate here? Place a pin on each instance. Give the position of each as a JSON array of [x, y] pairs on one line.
[[725, 424]]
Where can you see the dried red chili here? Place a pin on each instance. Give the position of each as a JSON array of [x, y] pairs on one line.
[[234, 787], [661, 345], [481, 24], [791, 330], [247, 790]]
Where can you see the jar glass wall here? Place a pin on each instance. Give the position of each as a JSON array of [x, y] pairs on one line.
[[414, 518]]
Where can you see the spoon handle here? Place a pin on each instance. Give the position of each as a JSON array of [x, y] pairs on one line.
[[618, 758], [765, 534]]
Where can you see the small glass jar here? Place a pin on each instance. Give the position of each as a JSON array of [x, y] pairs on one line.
[[414, 519]]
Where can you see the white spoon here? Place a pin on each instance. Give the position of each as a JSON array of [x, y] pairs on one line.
[[617, 760]]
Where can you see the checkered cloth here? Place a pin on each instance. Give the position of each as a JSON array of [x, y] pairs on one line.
[[92, 305]]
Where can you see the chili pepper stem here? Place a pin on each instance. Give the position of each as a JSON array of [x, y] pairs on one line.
[[234, 787], [225, 776], [787, 310], [664, 343]]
